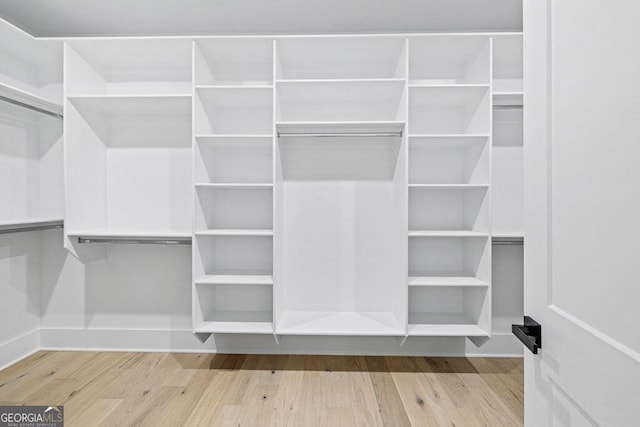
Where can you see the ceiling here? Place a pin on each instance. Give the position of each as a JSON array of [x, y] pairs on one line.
[[61, 18]]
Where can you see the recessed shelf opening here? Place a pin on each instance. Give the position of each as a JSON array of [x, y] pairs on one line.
[[449, 60], [449, 160], [449, 110], [449, 209], [234, 255], [234, 160], [234, 62], [129, 164], [468, 257], [341, 101], [128, 67], [507, 63], [448, 311], [228, 209], [233, 111], [341, 58]]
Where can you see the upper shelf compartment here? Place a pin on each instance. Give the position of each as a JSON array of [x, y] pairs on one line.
[[341, 58], [446, 60], [230, 62], [30, 69], [507, 63], [344, 101], [128, 67]]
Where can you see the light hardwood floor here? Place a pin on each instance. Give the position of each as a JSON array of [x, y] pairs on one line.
[[170, 389]]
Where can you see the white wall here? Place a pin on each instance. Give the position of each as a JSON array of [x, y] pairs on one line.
[[19, 295]]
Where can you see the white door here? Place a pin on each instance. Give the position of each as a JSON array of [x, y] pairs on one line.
[[582, 204]]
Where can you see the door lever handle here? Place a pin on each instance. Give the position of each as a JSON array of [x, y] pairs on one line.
[[530, 334]]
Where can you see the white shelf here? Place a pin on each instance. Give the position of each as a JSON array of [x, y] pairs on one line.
[[214, 137], [135, 104], [233, 86], [450, 186], [443, 324], [310, 127], [449, 135], [235, 233], [342, 323], [329, 81], [235, 186], [463, 281], [29, 98], [220, 327], [446, 233], [444, 330], [102, 233], [235, 279], [419, 84]]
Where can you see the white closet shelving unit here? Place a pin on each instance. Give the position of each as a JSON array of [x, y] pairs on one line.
[[449, 185], [30, 132], [334, 185], [233, 176], [127, 131]]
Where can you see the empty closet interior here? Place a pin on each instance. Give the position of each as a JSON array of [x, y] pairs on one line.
[[367, 186]]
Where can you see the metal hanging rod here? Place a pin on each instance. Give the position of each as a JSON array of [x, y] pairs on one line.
[[509, 107], [30, 107], [340, 134], [30, 226], [132, 241], [507, 241]]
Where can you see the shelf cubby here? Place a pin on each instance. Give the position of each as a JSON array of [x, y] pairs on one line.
[[128, 66], [128, 164], [442, 59], [31, 69], [233, 111], [449, 311], [449, 110], [458, 211], [507, 194], [341, 58], [233, 308], [341, 101], [233, 255], [449, 160], [220, 209], [438, 257], [234, 160], [507, 63], [234, 62], [339, 158]]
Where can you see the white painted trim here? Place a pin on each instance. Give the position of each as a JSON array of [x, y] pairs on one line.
[[278, 36], [183, 341], [19, 348]]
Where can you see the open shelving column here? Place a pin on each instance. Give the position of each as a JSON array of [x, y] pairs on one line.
[[449, 186], [233, 186], [340, 189], [127, 133]]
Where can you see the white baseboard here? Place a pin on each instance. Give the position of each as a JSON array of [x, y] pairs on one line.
[[501, 345], [18, 348]]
